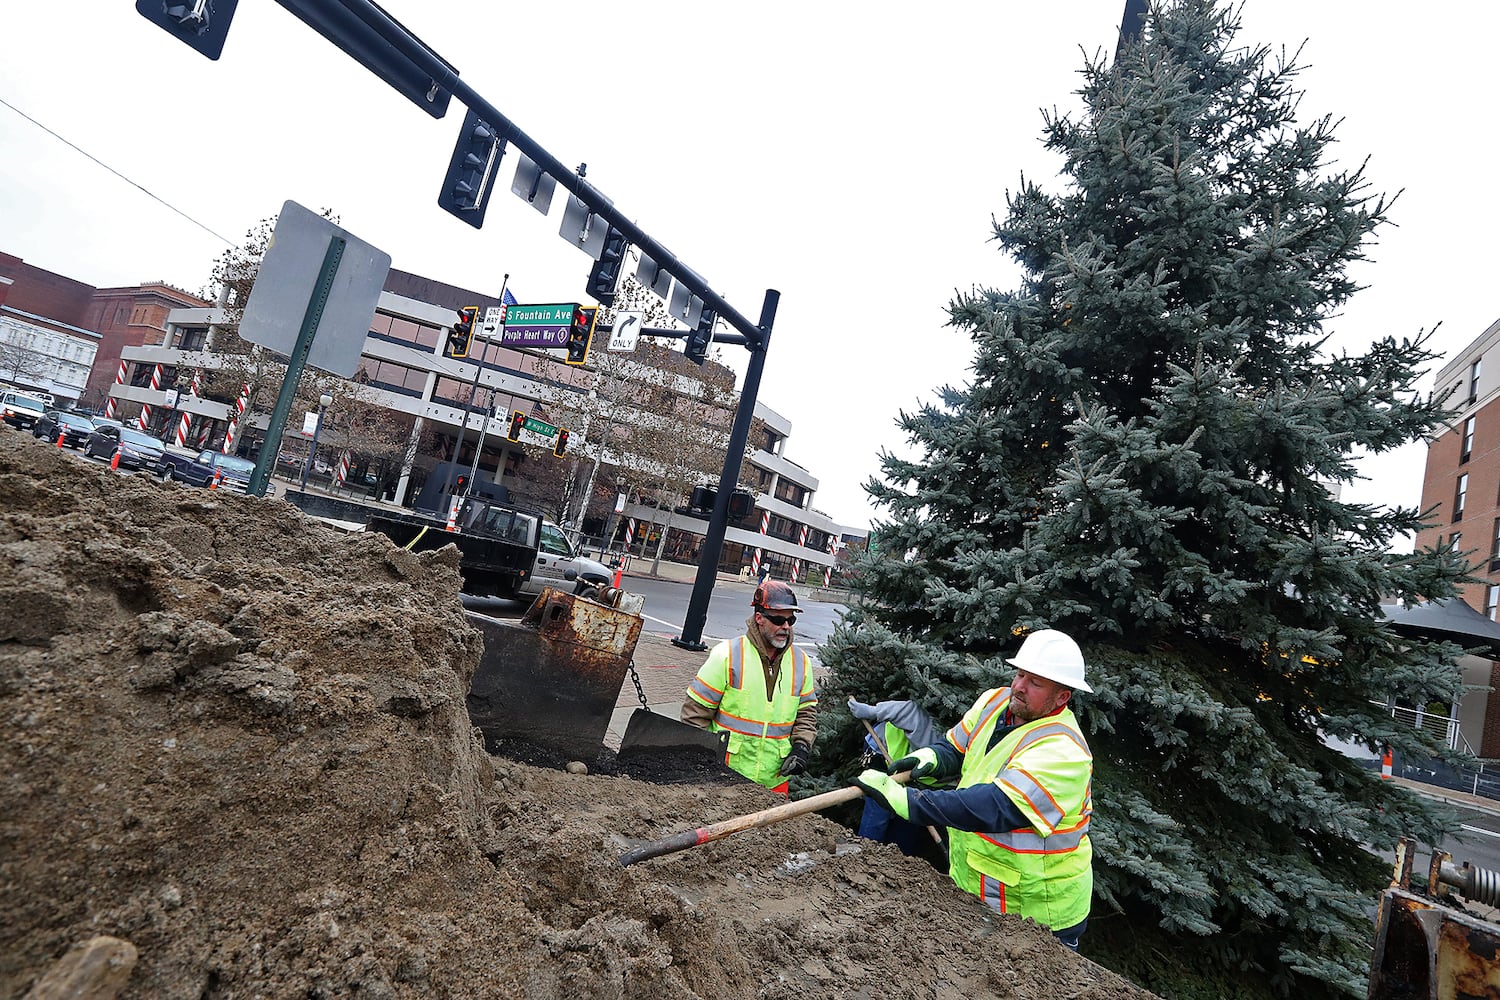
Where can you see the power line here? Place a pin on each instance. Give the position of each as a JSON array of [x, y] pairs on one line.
[[112, 170]]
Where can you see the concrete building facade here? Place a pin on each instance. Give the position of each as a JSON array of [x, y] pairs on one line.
[[403, 369]]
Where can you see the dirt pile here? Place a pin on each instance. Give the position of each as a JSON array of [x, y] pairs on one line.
[[236, 739]]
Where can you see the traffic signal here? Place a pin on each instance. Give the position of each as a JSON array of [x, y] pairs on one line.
[[517, 421], [201, 25], [741, 504], [471, 171], [698, 339], [702, 498], [561, 448], [580, 333], [605, 273], [462, 333]]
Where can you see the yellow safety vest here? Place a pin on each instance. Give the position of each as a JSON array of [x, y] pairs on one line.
[[732, 682], [1044, 870]]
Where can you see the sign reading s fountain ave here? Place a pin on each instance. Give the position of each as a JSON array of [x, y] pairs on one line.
[[537, 326]]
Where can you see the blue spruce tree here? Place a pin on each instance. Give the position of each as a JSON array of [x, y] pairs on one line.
[[1147, 456]]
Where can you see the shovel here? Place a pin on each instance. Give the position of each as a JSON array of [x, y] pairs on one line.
[[648, 730], [750, 821]]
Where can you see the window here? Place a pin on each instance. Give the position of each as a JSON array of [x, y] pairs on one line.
[[1460, 494], [553, 543], [1474, 379], [1468, 448], [1495, 541], [1491, 601], [396, 378]]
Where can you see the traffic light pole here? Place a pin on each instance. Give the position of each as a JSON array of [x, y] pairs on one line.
[[473, 392], [734, 457]]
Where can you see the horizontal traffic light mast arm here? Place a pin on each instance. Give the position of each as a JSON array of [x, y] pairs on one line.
[[444, 77], [718, 338], [598, 204]]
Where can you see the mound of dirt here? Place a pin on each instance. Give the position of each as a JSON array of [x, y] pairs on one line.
[[236, 739]]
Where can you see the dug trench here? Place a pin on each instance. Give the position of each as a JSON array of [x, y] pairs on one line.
[[235, 743]]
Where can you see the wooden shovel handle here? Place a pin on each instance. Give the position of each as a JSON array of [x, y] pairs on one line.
[[750, 821]]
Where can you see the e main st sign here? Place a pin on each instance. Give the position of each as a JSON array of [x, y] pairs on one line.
[[538, 326]]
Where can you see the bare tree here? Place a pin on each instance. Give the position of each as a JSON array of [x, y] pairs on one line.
[[655, 417], [17, 362]]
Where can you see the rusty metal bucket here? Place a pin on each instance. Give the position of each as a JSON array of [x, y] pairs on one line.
[[553, 678]]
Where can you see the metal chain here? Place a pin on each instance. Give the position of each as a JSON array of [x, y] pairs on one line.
[[640, 692]]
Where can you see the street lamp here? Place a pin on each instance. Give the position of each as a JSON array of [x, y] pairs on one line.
[[324, 402]]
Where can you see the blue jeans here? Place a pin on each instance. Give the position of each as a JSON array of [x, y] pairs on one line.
[[1071, 935], [879, 823]]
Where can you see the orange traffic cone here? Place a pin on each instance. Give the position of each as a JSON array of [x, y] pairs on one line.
[[114, 462], [214, 483], [1385, 765], [60, 436]]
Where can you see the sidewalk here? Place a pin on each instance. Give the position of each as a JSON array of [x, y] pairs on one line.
[[1476, 802], [665, 671]]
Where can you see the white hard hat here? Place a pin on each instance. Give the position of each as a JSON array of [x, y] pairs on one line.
[[1051, 654]]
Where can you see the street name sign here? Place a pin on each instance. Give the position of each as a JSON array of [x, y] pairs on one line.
[[544, 326], [541, 427]]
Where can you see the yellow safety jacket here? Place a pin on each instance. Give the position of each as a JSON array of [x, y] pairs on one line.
[[1044, 870], [733, 682]]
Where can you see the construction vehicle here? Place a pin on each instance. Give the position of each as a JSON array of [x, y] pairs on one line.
[[1429, 941], [497, 543]]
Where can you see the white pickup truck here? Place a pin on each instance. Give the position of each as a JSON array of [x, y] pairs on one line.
[[555, 555]]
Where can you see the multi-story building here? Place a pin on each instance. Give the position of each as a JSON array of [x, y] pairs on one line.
[[64, 337], [1461, 489], [441, 400]]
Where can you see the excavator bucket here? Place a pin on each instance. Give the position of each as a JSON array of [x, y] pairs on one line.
[[553, 679], [652, 731]]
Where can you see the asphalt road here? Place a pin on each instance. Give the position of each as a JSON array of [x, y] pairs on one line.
[[666, 609]]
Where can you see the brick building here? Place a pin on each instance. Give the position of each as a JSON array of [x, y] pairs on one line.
[[80, 330], [1461, 489]]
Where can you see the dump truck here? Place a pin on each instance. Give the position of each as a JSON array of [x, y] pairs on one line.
[[497, 542]]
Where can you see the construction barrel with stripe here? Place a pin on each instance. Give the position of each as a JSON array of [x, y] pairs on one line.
[[1044, 869], [732, 683]]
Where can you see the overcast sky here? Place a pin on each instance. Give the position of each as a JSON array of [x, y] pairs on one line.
[[848, 155]]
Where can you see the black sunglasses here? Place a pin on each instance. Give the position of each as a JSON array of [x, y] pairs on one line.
[[779, 619]]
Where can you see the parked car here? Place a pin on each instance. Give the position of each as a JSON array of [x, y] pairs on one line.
[[137, 450], [21, 410], [75, 429], [200, 469]]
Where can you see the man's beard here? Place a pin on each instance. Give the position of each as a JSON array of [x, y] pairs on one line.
[[779, 641]]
